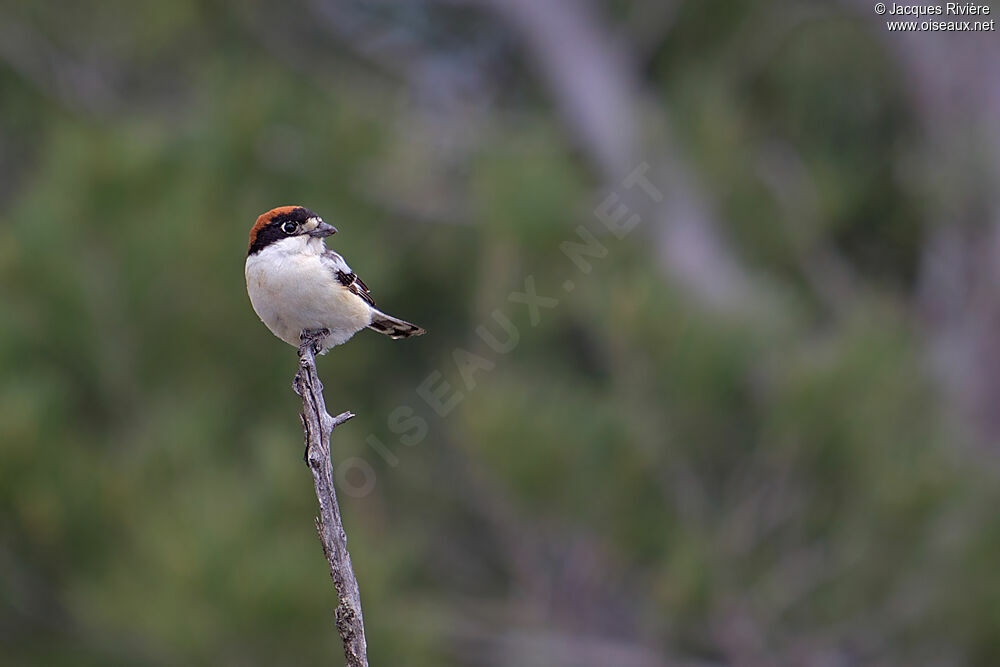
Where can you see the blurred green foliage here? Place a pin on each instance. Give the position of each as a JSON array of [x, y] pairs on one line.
[[638, 471]]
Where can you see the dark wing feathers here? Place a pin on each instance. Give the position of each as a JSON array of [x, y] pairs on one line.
[[360, 282], [386, 324], [347, 278], [356, 285]]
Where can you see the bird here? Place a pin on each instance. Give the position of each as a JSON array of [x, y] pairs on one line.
[[301, 290]]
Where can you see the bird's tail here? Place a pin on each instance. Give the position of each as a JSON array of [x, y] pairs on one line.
[[392, 327]]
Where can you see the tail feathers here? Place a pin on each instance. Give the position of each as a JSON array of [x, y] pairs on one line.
[[392, 327]]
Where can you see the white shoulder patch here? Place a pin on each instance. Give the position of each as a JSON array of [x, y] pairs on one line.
[[335, 262]]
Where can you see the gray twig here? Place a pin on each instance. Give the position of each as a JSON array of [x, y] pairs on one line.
[[317, 424]]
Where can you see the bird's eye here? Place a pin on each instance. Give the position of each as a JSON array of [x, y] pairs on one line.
[[289, 227]]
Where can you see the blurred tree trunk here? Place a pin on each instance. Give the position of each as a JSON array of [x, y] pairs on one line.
[[594, 81], [953, 85]]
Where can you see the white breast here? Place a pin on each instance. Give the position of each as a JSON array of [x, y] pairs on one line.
[[291, 289]]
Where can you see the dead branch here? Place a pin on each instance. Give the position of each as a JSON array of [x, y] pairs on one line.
[[317, 424]]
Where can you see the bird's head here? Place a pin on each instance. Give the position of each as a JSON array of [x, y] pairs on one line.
[[287, 222]]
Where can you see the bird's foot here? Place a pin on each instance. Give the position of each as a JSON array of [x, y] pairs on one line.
[[315, 337]]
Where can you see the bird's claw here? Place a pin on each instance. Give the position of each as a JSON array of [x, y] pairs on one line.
[[315, 337]]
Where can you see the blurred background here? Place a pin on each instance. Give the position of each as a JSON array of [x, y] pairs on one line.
[[761, 429]]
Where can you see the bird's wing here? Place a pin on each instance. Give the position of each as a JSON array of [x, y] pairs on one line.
[[347, 278]]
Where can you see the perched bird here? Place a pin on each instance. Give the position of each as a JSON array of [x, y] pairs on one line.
[[297, 285]]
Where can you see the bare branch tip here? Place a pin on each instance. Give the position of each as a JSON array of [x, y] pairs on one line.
[[316, 426]]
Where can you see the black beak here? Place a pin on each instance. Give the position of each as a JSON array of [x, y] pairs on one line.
[[322, 231]]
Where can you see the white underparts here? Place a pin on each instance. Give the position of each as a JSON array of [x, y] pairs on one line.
[[292, 288]]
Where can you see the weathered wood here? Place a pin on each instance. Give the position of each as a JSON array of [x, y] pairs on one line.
[[317, 424]]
